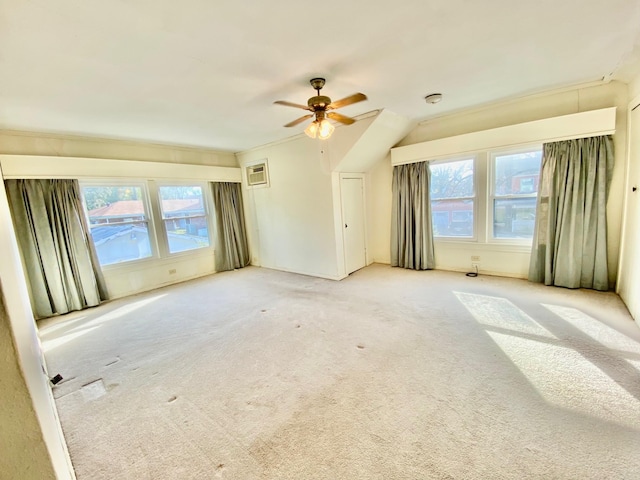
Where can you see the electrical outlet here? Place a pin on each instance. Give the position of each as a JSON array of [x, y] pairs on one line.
[[172, 271], [475, 266], [475, 258]]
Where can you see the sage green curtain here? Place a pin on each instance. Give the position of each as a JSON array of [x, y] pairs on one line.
[[570, 237], [411, 228], [60, 263], [232, 247]]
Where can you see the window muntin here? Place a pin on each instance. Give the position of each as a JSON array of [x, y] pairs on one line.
[[184, 216], [452, 193], [513, 194], [119, 222]]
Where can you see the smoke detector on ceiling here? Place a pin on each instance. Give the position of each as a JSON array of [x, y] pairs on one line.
[[433, 98]]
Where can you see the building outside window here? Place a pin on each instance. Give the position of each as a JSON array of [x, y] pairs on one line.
[[452, 192], [513, 193]]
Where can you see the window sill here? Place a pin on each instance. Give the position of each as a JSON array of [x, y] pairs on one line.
[[495, 246], [150, 262]]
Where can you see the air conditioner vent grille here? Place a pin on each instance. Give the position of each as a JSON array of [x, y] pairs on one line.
[[257, 175]]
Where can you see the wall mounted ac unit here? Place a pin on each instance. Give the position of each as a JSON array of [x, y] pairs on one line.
[[257, 175]]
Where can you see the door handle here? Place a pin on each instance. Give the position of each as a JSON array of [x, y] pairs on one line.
[[345, 225]]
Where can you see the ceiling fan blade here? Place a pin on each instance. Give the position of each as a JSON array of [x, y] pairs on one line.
[[340, 118], [355, 98], [291, 104], [299, 120]]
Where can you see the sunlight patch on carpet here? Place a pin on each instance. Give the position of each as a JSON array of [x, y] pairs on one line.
[[50, 329], [122, 311], [597, 330], [561, 375], [635, 363], [48, 345], [501, 313], [566, 379]]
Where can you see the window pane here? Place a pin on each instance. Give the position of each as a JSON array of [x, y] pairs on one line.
[[179, 201], [121, 243], [452, 179], [113, 204], [514, 217], [184, 217], [187, 233], [452, 218], [118, 223], [517, 174]]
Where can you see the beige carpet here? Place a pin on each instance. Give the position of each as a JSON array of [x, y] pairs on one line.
[[389, 374]]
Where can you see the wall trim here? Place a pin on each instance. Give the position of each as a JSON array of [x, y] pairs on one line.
[[132, 142], [36, 166], [577, 125]]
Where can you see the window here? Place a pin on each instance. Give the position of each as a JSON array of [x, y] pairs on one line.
[[125, 219], [119, 221], [452, 194], [490, 198], [513, 193], [184, 216]]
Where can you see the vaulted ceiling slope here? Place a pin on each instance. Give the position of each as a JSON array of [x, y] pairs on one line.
[[203, 73]]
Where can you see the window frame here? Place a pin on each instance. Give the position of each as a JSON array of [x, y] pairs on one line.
[[148, 211], [162, 232], [474, 198], [158, 239], [492, 155]]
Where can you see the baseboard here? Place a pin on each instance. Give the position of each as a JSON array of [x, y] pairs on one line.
[[302, 272]]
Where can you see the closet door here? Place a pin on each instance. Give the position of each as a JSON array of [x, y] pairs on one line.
[[629, 270], [352, 193]]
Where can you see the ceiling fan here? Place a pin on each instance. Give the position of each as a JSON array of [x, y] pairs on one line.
[[321, 107]]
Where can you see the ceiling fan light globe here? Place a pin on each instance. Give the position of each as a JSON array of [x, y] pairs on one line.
[[312, 129], [326, 129]]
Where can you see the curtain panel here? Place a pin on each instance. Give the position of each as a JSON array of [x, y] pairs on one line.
[[570, 237], [232, 247], [411, 229], [61, 266]]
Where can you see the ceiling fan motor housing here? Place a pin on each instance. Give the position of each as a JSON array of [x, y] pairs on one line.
[[319, 102], [320, 115]]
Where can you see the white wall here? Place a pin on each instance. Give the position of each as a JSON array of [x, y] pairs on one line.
[[291, 222], [379, 210], [634, 87], [295, 224], [496, 259], [21, 441]]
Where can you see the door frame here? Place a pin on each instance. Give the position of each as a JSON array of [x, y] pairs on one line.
[[622, 279]]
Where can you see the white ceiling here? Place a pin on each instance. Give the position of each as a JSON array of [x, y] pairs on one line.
[[206, 73]]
